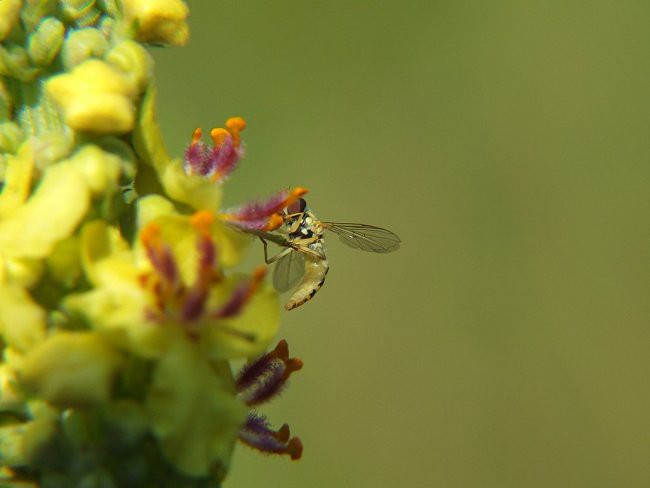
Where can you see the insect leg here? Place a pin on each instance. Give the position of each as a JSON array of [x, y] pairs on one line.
[[273, 259], [306, 250]]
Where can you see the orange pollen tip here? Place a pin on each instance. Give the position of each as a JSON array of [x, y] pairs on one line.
[[196, 136], [283, 434], [259, 274], [202, 220], [294, 449], [281, 351], [150, 235], [295, 194], [299, 191], [235, 124], [275, 222], [293, 364], [219, 136]]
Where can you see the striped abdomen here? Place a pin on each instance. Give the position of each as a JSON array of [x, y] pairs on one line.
[[315, 271]]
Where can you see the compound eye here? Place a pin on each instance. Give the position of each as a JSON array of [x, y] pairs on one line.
[[297, 207]]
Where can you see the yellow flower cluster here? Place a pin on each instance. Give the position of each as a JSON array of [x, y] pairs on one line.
[[119, 308]]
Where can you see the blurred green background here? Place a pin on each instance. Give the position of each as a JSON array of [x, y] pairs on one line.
[[506, 142]]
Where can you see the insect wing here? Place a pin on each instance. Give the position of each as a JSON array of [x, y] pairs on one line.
[[365, 237], [288, 271]]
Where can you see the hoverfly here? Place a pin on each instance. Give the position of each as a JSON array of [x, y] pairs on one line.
[[303, 263]]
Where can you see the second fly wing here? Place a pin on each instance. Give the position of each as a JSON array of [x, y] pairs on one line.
[[288, 271]]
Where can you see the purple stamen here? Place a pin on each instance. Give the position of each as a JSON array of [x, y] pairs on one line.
[[257, 433], [252, 371], [234, 305], [197, 159]]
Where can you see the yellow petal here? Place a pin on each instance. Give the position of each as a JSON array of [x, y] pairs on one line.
[[64, 263], [151, 208], [232, 244], [196, 191], [19, 443], [71, 368], [24, 272], [100, 169], [259, 319], [98, 242], [51, 214], [17, 180], [11, 398], [121, 318], [193, 409], [22, 321]]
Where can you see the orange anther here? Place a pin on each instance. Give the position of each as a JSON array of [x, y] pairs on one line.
[[283, 434], [293, 364], [299, 191], [219, 136], [295, 194], [259, 273], [281, 351], [202, 220], [294, 448], [275, 222], [150, 235], [196, 136], [235, 124]]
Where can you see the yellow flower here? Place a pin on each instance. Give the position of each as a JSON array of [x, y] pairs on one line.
[[95, 97], [158, 21], [174, 278]]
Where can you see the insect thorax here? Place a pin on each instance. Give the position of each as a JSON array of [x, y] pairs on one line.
[[304, 226]]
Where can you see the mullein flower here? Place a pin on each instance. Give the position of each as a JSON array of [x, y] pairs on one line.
[[120, 306]]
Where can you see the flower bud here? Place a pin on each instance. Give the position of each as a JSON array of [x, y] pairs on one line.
[[134, 61], [82, 44], [158, 21], [81, 12], [15, 63], [45, 42]]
